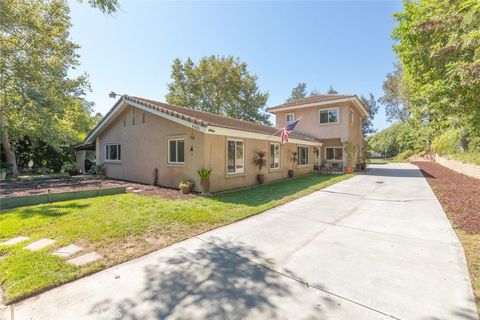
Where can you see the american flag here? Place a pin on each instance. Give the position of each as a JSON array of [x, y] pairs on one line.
[[286, 131]]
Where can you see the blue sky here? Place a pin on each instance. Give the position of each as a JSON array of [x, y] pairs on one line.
[[339, 43]]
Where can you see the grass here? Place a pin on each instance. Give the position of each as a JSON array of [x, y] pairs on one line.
[[43, 176], [388, 160], [122, 227]]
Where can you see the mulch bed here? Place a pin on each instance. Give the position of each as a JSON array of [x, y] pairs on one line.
[[25, 187], [459, 194]]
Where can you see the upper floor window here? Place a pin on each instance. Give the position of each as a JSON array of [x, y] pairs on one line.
[[235, 156], [113, 152], [274, 155], [351, 116], [329, 116], [124, 121], [133, 116], [176, 151], [143, 117], [302, 156], [290, 117]]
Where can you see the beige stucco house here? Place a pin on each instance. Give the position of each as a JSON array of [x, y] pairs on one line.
[[152, 142], [333, 119]]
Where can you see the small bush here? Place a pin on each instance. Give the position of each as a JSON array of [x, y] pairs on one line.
[[447, 143], [405, 155]]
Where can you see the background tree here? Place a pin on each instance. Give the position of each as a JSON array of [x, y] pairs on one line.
[[437, 45], [106, 6], [331, 90], [38, 99], [299, 92], [396, 97], [372, 107], [221, 85]]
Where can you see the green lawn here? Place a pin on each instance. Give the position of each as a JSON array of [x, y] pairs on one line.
[[122, 227], [388, 160]]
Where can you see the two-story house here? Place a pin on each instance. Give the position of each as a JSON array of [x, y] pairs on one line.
[[333, 119]]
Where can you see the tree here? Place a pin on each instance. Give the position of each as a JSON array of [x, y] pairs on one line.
[[299, 92], [331, 90], [220, 85], [437, 45], [372, 107], [106, 6], [395, 97], [37, 98]]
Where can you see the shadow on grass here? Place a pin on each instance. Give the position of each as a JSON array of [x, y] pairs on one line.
[[49, 210], [274, 191], [207, 282]]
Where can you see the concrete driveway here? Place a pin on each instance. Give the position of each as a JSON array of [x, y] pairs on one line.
[[377, 246]]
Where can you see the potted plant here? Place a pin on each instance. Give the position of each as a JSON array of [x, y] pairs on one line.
[[204, 175], [3, 173], [260, 161], [100, 170], [185, 186], [70, 167], [293, 159], [350, 152]]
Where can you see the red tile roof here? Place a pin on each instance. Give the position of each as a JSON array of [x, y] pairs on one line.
[[205, 119]]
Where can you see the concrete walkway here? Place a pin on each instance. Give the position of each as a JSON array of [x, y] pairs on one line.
[[377, 246]]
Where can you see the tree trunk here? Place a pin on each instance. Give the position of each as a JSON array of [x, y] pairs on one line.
[[7, 147], [464, 142]]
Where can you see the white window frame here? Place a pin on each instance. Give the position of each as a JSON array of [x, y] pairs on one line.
[[107, 153], [176, 150], [334, 152], [298, 157], [239, 171], [289, 114], [328, 110], [272, 156]]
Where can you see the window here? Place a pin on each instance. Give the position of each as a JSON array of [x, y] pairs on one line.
[[351, 116], [329, 116], [133, 117], [274, 155], [334, 153], [176, 151], [235, 159], [290, 117], [302, 156], [143, 117], [113, 152], [124, 121]]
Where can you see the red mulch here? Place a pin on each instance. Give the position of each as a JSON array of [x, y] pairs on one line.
[[24, 187], [459, 194]]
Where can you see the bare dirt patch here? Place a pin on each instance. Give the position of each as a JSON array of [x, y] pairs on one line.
[[25, 187]]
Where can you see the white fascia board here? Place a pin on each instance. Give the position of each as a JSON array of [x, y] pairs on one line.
[[255, 135], [121, 105], [183, 122], [355, 100]]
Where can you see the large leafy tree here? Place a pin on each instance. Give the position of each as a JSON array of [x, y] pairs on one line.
[[221, 85], [38, 98], [438, 45], [396, 98]]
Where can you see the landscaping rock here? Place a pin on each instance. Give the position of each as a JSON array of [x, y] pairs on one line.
[[67, 251], [13, 241], [85, 259], [39, 244]]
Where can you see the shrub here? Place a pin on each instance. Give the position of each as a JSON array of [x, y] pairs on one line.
[[68, 166], [185, 184], [447, 143], [204, 174], [405, 155]]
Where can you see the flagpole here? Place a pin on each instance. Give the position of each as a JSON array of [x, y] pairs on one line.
[[281, 129]]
